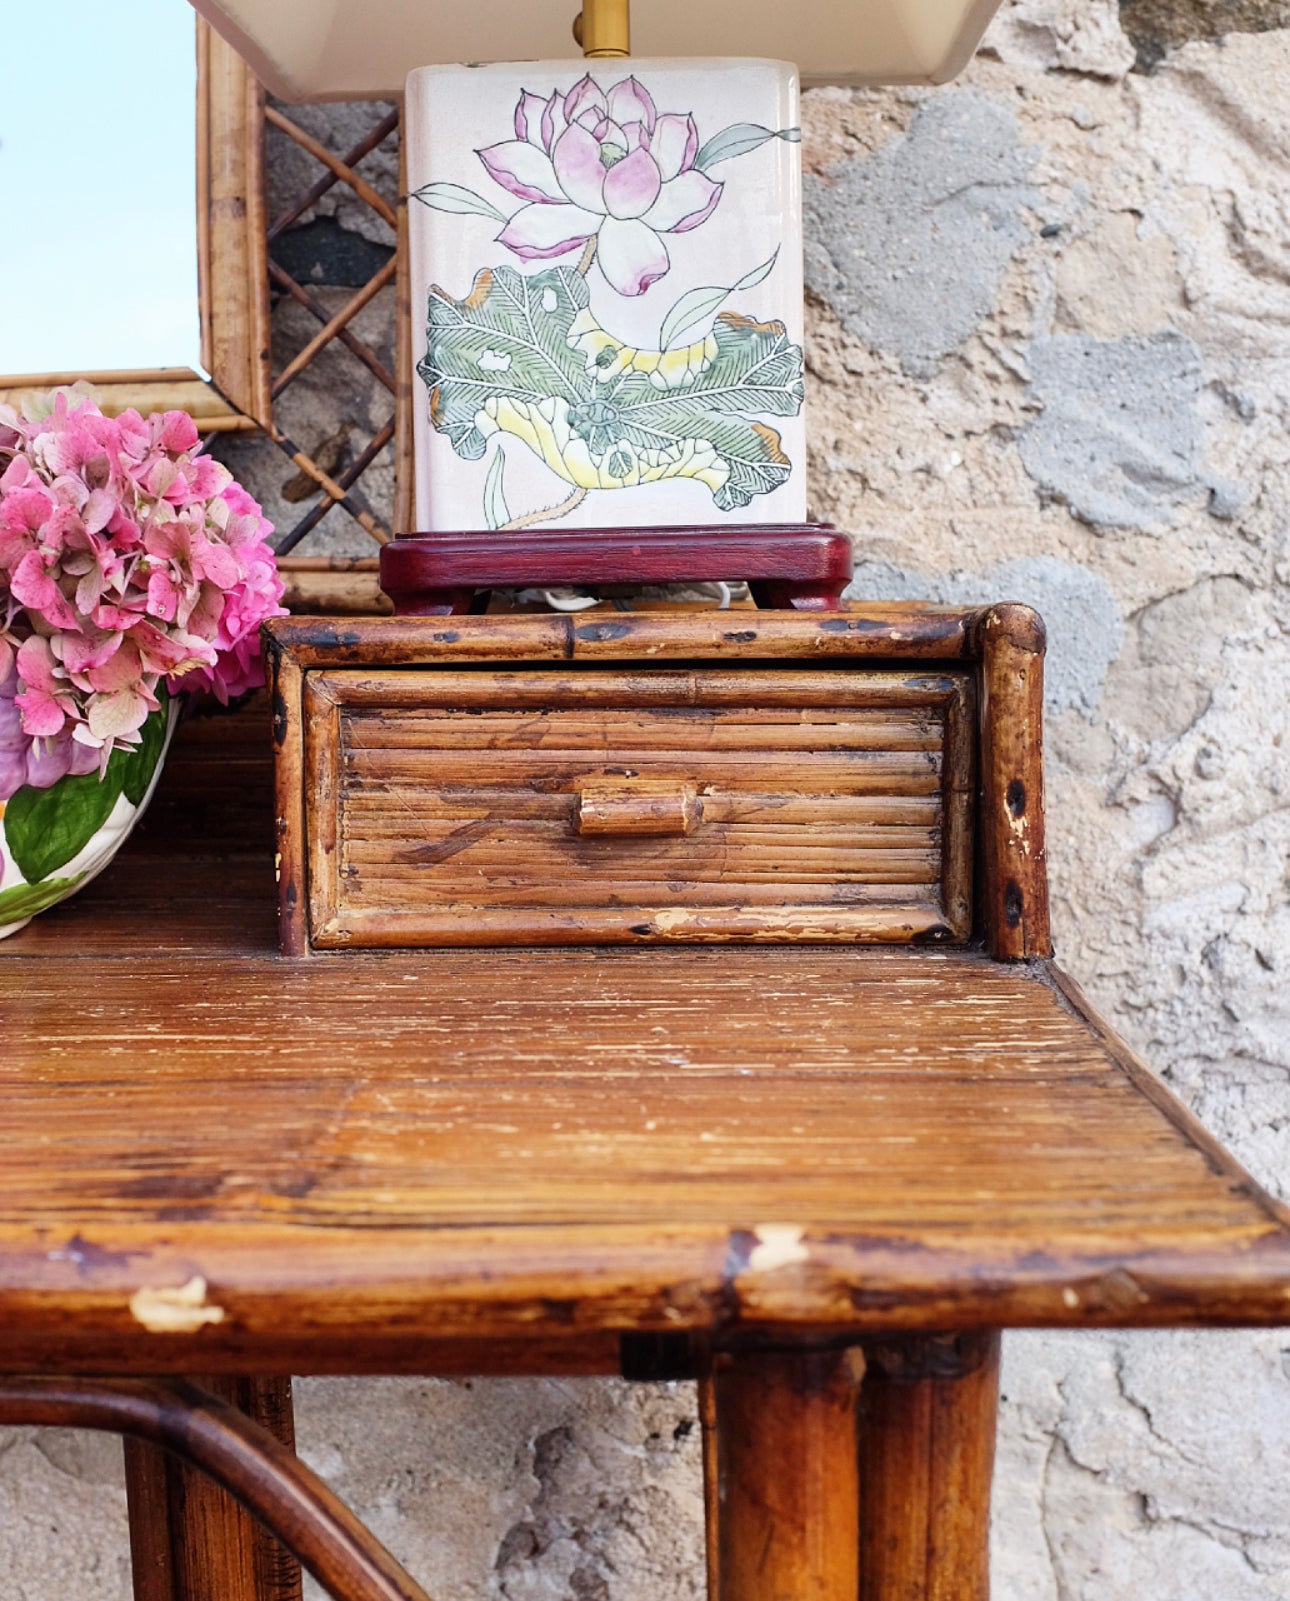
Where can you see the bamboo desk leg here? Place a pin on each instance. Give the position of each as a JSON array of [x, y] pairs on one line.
[[808, 1509], [189, 1539], [830, 1475]]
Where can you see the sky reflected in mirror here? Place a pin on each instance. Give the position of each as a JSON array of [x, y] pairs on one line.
[[98, 269]]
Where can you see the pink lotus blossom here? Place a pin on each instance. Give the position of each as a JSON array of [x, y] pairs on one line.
[[603, 166], [131, 566]]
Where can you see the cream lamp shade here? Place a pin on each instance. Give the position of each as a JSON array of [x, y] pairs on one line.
[[604, 235], [356, 49]]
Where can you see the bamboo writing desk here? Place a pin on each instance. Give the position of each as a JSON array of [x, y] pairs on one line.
[[777, 1167]]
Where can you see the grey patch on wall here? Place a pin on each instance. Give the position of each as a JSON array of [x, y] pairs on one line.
[[909, 245], [1119, 437], [1085, 631], [1158, 26]]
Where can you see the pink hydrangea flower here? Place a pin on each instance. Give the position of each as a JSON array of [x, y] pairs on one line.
[[38, 762], [602, 166], [131, 567]]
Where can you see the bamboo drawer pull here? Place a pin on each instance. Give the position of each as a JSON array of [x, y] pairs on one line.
[[640, 807]]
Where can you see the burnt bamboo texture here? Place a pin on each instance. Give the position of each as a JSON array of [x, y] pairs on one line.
[[787, 1496], [927, 1415], [233, 287], [527, 1160], [500, 1160], [447, 808], [188, 1536], [442, 807]]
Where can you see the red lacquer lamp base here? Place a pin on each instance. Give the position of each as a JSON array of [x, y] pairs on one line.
[[802, 566]]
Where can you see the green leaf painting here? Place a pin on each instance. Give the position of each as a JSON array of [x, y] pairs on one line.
[[25, 900], [738, 140], [496, 511], [140, 764], [454, 197], [694, 308], [525, 356], [46, 828]]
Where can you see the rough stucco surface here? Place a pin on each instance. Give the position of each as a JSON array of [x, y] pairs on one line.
[[1050, 360]]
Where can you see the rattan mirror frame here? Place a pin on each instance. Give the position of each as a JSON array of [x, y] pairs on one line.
[[232, 287]]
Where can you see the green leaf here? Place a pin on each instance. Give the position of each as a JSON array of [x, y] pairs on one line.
[[507, 337], [25, 900], [47, 827], [699, 304], [496, 511], [738, 140], [141, 763], [523, 355], [452, 197]]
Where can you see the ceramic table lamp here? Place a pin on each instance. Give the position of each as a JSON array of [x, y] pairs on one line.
[[605, 247], [609, 258]]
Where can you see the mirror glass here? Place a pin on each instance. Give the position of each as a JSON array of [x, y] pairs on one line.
[[98, 266]]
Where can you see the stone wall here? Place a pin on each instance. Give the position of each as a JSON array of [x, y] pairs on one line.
[[1050, 360]]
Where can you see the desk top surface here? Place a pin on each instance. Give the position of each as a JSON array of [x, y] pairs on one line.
[[210, 1156]]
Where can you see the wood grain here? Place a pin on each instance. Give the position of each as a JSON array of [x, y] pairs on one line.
[[188, 1536], [927, 1417], [498, 1161], [427, 574], [636, 807], [446, 808], [787, 1493], [1010, 641], [397, 1160]]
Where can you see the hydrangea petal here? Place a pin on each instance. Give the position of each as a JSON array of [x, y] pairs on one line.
[[685, 202], [631, 255], [523, 169], [632, 185]]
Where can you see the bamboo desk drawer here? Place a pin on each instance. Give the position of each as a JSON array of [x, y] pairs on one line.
[[657, 778]]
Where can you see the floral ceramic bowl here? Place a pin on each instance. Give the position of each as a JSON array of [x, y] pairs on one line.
[[133, 570], [54, 840]]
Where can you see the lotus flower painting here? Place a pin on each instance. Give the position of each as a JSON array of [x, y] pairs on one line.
[[607, 294]]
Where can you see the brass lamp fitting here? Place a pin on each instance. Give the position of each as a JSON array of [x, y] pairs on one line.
[[603, 28]]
